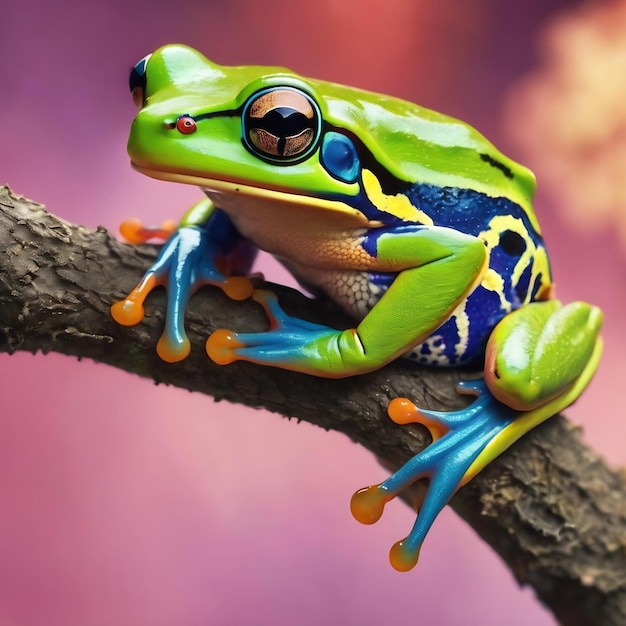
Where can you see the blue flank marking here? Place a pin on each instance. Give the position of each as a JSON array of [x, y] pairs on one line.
[[470, 212], [523, 283], [464, 209], [536, 286]]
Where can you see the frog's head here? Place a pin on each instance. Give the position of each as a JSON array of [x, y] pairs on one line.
[[263, 127], [267, 129]]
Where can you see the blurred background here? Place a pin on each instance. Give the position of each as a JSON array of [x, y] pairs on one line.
[[124, 503]]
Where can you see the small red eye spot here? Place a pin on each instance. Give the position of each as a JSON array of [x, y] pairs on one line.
[[186, 125]]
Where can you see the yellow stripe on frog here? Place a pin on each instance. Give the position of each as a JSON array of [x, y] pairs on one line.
[[398, 205]]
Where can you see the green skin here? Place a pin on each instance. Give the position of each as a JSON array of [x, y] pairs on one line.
[[538, 357]]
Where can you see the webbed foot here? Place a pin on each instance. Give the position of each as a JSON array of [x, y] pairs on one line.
[[187, 261], [459, 439]]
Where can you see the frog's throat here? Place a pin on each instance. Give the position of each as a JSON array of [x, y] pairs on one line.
[[230, 187]]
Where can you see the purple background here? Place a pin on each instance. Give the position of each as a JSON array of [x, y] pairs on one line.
[[126, 503]]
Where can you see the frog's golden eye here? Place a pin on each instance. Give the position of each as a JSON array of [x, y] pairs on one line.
[[281, 124]]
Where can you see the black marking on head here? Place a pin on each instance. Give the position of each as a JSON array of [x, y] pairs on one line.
[[487, 158]]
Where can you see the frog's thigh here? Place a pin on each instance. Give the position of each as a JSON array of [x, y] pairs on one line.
[[539, 351], [444, 266]]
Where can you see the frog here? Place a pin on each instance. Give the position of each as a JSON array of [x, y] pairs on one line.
[[409, 220]]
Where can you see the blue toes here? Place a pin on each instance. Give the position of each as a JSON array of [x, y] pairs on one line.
[[459, 438]]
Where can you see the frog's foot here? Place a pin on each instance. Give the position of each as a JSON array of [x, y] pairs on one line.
[[459, 440], [186, 262], [134, 231], [286, 344]]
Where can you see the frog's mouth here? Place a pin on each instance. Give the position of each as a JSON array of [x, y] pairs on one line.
[[211, 186]]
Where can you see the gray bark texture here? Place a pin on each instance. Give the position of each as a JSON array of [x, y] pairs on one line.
[[549, 506]]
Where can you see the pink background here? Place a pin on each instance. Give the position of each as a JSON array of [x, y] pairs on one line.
[[125, 503]]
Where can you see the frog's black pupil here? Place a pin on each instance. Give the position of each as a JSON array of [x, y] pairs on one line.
[[137, 77], [512, 243], [284, 122]]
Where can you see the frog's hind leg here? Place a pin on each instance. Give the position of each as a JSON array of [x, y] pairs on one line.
[[539, 360]]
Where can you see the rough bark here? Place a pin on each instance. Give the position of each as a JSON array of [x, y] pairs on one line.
[[549, 506]]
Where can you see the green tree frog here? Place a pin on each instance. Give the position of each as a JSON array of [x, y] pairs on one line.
[[408, 219]]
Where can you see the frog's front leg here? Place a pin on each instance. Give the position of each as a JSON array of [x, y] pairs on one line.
[[204, 250], [436, 268], [539, 360]]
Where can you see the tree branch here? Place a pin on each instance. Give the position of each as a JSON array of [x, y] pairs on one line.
[[552, 510]]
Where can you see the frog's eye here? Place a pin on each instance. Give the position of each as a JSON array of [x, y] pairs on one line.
[[281, 124], [137, 81]]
